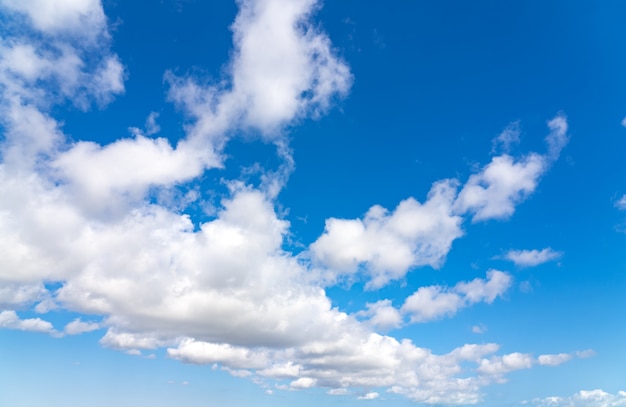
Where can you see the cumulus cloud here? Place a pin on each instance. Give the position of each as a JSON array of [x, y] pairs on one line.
[[554, 360], [506, 181], [584, 398], [381, 315], [84, 17], [434, 302], [531, 258], [494, 192], [389, 244], [497, 366], [386, 245], [369, 396], [16, 295], [283, 67], [77, 327], [225, 291], [10, 320]]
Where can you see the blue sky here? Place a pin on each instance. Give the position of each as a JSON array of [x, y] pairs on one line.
[[279, 202]]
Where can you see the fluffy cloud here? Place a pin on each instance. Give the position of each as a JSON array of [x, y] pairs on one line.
[[381, 315], [584, 398], [385, 246], [531, 258], [434, 302], [554, 360], [225, 291], [282, 68], [77, 327], [84, 17], [10, 320], [389, 244], [15, 295], [503, 183], [494, 192], [497, 366], [369, 396]]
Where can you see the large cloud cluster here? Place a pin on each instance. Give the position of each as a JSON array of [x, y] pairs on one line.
[[226, 291]]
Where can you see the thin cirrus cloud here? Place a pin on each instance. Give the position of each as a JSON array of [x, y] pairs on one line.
[[226, 291]]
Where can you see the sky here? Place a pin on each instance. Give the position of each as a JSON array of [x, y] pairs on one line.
[[297, 202]]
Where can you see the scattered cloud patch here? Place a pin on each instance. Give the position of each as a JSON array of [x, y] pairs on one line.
[[381, 315], [434, 302], [389, 244], [532, 258], [554, 360], [10, 320], [369, 396], [479, 329], [584, 398], [78, 327], [507, 139], [226, 292]]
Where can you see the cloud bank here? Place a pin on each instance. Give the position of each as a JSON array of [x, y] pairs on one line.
[[226, 292]]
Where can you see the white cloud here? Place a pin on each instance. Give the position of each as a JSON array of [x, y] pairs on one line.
[[369, 396], [230, 356], [84, 17], [505, 140], [479, 329], [531, 258], [10, 320], [126, 168], [63, 52], [281, 370], [434, 302], [389, 244], [584, 398], [225, 291], [583, 354], [15, 295], [338, 392], [303, 383], [282, 68], [494, 192], [499, 365], [77, 327], [621, 203], [381, 315], [554, 360], [557, 139], [152, 127]]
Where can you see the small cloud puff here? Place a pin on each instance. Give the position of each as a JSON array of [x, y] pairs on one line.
[[369, 396], [479, 329], [621, 203], [531, 258]]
